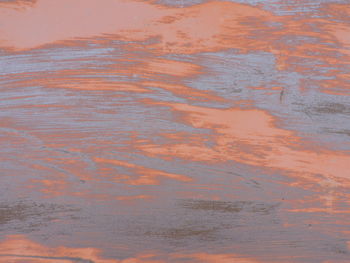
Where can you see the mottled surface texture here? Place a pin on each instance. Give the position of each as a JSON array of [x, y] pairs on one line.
[[155, 131]]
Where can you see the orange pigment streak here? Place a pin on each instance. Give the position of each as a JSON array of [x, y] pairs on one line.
[[251, 137], [18, 248], [148, 176]]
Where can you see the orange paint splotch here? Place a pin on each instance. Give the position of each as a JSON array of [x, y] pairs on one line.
[[340, 28], [169, 67], [178, 137], [204, 27], [222, 258], [342, 34], [17, 4], [43, 24], [210, 26], [52, 187], [184, 91], [267, 88], [318, 210], [147, 176], [96, 85], [86, 195], [71, 79], [251, 137], [18, 248]]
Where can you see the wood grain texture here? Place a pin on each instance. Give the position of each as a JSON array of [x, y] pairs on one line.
[[153, 131]]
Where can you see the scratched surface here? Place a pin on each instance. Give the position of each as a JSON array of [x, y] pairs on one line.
[[135, 131]]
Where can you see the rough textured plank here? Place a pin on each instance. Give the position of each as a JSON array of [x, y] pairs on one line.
[[175, 131]]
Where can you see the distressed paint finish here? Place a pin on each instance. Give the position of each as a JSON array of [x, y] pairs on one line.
[[175, 131]]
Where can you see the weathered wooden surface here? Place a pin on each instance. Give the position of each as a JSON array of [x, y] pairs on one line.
[[175, 131]]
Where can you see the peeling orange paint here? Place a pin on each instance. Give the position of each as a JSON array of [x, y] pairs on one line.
[[176, 128], [251, 136]]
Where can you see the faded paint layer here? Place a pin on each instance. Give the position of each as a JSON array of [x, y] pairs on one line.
[[174, 131]]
